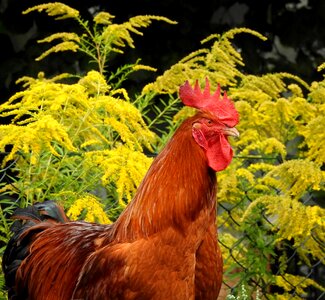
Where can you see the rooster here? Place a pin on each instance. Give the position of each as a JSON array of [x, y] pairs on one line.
[[163, 245]]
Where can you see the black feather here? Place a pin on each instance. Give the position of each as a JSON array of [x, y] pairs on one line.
[[51, 210], [24, 231], [29, 212]]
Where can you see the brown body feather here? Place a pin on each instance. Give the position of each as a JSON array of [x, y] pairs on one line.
[[163, 246]]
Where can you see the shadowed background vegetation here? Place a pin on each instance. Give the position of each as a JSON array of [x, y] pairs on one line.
[[294, 29]]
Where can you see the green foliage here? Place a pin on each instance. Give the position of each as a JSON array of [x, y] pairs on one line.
[[7, 206], [160, 116], [83, 144]]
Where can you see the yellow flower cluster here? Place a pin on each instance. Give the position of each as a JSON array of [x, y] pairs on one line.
[[313, 132], [94, 83], [321, 67], [314, 139], [61, 47], [295, 283], [103, 18], [27, 81], [118, 36], [97, 42], [65, 36], [228, 190], [124, 119], [55, 9], [121, 166], [92, 208], [70, 42], [83, 110], [138, 67], [295, 177], [269, 146], [69, 136], [294, 221], [35, 137], [218, 63]]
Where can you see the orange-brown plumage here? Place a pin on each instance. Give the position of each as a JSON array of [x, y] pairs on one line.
[[163, 246]]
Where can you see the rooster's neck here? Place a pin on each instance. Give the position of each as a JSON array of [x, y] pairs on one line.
[[177, 188]]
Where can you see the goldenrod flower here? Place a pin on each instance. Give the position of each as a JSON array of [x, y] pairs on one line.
[[104, 18], [64, 46], [94, 83], [92, 208], [55, 9], [125, 167]]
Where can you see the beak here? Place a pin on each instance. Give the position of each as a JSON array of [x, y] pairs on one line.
[[231, 131]]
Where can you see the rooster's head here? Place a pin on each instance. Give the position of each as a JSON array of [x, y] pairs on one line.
[[213, 124]]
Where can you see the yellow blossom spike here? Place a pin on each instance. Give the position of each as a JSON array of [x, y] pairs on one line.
[[61, 47], [55, 9], [92, 206], [103, 18]]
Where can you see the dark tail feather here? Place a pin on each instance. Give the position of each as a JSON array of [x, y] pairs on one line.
[[29, 222], [45, 211]]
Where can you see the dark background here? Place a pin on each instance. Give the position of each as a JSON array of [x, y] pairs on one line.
[[295, 31]]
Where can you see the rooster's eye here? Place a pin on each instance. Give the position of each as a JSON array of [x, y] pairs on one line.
[[209, 122]]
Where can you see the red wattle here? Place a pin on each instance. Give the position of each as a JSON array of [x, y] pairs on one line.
[[219, 153]]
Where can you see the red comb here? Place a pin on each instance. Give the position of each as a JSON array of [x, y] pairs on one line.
[[223, 108]]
